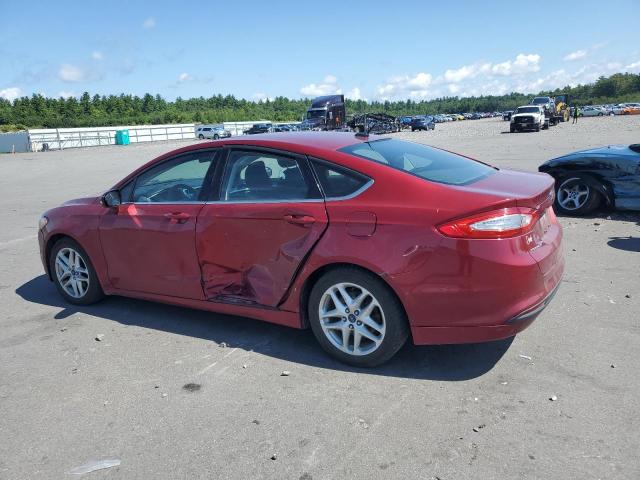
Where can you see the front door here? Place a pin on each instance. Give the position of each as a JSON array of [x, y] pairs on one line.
[[149, 240], [269, 216]]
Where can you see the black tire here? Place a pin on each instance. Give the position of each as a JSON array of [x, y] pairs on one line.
[[395, 320], [94, 291], [216, 136], [581, 182], [512, 129], [201, 137], [538, 128], [413, 129]]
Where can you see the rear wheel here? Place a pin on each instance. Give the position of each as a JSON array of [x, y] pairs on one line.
[[356, 318], [216, 136], [73, 273], [575, 195], [201, 137], [512, 129]]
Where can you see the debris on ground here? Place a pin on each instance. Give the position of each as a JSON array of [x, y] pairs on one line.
[[627, 296], [504, 383], [362, 422], [93, 465], [285, 373], [274, 457], [244, 366], [223, 345], [479, 427], [164, 395], [192, 387], [257, 422], [553, 398], [526, 357], [99, 337], [613, 365]]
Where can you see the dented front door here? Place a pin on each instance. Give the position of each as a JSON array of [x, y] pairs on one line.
[[249, 252]]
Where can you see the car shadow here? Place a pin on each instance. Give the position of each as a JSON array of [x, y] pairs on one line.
[[629, 244], [441, 362]]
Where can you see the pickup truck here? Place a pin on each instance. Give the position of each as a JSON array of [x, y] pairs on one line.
[[528, 117]]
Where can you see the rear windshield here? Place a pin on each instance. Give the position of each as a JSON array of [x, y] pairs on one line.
[[426, 162]]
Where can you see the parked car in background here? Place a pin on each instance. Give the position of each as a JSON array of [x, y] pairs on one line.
[[590, 111], [599, 176], [259, 128], [305, 229], [506, 116], [405, 122], [528, 117], [631, 109], [618, 109], [423, 122], [213, 132]]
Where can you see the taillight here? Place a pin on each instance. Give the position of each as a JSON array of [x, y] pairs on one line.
[[502, 223]]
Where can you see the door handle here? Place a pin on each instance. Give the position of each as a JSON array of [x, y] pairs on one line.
[[177, 217], [300, 219]]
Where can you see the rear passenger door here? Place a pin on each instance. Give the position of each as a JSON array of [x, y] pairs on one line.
[[268, 215]]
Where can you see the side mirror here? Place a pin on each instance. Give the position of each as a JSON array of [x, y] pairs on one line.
[[111, 199]]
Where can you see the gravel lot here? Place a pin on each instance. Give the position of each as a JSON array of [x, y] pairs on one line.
[[66, 398]]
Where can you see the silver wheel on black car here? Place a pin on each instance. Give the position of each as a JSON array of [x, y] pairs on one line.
[[575, 195]]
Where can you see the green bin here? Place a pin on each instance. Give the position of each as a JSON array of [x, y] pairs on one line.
[[122, 137]]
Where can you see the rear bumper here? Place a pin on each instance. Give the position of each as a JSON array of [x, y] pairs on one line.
[[484, 333]]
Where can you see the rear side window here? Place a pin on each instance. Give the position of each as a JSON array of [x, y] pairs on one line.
[[422, 161], [338, 182]]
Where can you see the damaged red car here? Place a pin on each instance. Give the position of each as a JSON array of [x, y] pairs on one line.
[[368, 241]]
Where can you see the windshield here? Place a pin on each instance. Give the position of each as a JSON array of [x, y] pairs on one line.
[[426, 162], [320, 113], [540, 100], [528, 110]]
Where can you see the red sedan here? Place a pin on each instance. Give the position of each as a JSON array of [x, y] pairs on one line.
[[367, 240]]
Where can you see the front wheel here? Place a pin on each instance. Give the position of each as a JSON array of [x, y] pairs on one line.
[[216, 136], [73, 273], [512, 129], [356, 318], [575, 195], [201, 137]]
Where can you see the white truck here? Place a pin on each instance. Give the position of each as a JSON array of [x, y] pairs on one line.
[[528, 117]]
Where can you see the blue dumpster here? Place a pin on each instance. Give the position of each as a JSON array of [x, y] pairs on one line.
[[122, 137]]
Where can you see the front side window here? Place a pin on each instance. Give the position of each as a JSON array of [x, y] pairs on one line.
[[258, 176], [425, 162], [175, 181]]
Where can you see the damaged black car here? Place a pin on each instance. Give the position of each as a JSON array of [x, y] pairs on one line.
[[588, 179]]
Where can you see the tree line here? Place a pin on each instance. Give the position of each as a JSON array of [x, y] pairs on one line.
[[38, 111]]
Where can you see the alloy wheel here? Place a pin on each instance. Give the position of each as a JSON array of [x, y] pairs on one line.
[[72, 272], [352, 319], [573, 197]]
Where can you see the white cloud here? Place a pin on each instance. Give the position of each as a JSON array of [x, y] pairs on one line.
[[10, 93], [354, 94], [97, 55], [524, 63], [329, 86], [416, 86], [633, 67], [66, 94], [577, 55], [149, 23], [71, 73], [184, 77]]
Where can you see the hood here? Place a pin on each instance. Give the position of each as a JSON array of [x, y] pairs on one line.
[[83, 201], [607, 150]]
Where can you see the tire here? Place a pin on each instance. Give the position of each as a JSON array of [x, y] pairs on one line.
[[216, 136], [585, 197], [201, 137], [512, 129], [538, 128], [86, 291], [413, 129], [384, 331]]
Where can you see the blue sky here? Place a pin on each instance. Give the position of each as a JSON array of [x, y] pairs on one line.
[[372, 50]]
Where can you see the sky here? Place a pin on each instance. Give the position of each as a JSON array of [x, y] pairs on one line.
[[366, 50]]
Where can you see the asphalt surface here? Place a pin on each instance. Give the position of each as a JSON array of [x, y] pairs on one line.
[[66, 398]]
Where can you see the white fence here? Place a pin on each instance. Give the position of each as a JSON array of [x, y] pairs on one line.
[[61, 138], [41, 139]]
